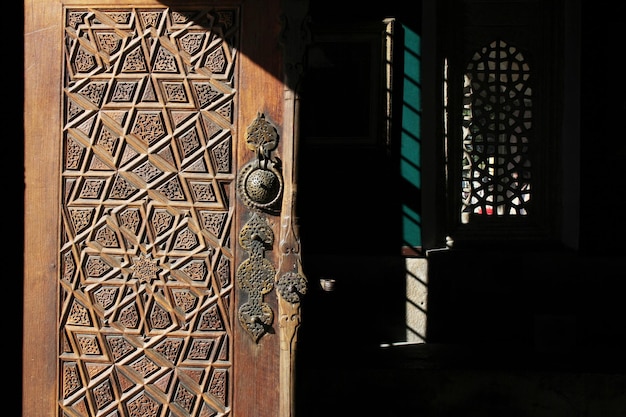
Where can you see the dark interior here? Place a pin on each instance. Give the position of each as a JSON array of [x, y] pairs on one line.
[[534, 330]]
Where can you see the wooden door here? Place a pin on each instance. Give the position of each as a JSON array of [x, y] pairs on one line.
[[162, 274]]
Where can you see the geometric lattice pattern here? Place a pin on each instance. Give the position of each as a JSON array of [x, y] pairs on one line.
[[146, 278], [497, 128]]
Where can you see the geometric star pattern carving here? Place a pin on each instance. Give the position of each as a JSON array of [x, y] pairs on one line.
[[145, 281]]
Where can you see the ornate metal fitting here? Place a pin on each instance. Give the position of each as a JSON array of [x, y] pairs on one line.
[[291, 286], [255, 275], [260, 182]]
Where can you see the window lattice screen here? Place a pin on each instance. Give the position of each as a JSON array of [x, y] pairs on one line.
[[497, 125]]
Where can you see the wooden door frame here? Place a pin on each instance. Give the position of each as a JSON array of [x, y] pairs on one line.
[[42, 68], [43, 73]]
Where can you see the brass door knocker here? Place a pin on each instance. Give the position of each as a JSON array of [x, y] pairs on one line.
[[260, 181]]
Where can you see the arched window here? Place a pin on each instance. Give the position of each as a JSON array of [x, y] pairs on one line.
[[500, 124], [497, 126]]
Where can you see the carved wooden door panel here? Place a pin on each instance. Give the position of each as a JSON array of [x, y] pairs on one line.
[[161, 274]]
